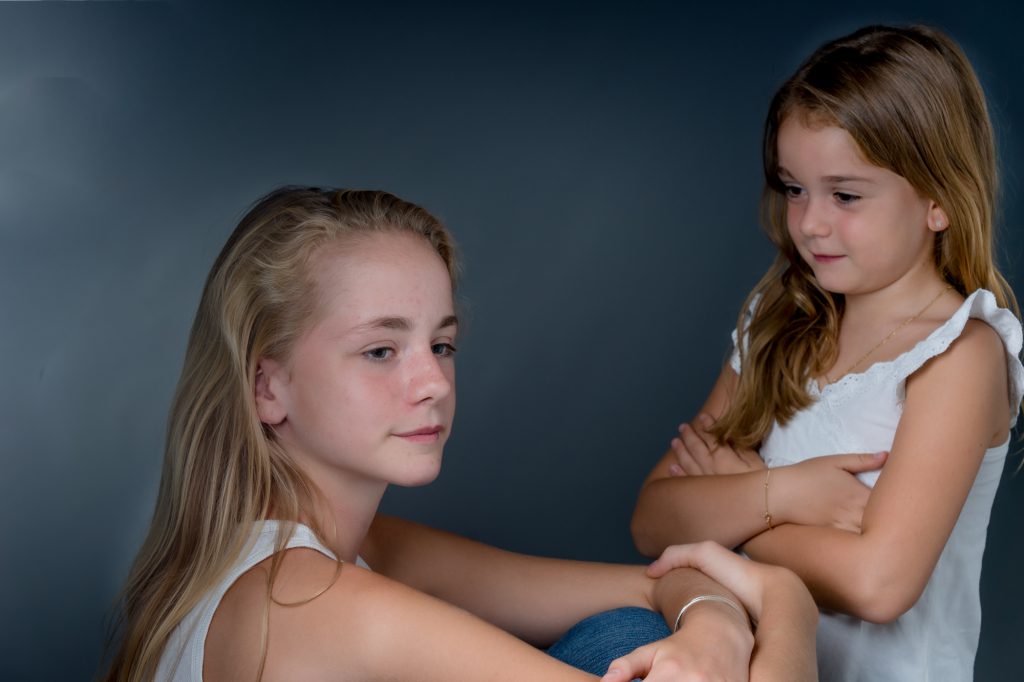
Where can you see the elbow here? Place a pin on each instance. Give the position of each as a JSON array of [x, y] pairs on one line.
[[642, 532], [883, 597]]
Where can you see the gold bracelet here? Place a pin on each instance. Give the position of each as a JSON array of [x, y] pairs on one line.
[[767, 514], [709, 597]]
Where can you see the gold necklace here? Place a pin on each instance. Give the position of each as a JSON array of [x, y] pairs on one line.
[[900, 326]]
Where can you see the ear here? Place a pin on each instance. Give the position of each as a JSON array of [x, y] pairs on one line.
[[937, 220], [269, 392]]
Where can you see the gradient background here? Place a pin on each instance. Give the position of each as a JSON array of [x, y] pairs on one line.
[[599, 166]]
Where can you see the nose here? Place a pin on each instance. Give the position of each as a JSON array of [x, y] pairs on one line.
[[811, 219], [431, 378]]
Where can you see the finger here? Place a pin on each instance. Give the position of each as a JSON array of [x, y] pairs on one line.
[[734, 572], [848, 525], [848, 520], [693, 555], [634, 664], [750, 457], [863, 462], [853, 512], [673, 556], [696, 437], [697, 448], [685, 458], [705, 420], [668, 670]]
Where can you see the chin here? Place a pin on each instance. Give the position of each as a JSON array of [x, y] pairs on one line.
[[832, 284], [419, 475]]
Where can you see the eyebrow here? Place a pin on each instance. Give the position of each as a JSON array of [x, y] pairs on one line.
[[845, 178], [832, 179], [399, 323]]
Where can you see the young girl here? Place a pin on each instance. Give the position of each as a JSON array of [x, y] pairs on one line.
[[882, 329], [319, 370]]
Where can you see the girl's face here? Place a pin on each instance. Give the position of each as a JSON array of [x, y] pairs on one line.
[[860, 227], [368, 393]]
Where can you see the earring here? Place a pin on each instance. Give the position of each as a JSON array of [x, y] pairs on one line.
[[939, 224]]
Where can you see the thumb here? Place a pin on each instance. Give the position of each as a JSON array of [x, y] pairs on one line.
[[659, 567], [673, 556], [864, 462]]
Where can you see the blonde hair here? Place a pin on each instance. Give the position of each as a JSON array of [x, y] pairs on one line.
[[223, 470], [911, 101]]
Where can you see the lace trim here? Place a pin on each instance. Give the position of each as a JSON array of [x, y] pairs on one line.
[[980, 305]]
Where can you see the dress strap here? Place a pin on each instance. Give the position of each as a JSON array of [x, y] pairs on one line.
[[980, 305]]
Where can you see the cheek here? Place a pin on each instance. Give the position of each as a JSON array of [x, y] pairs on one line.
[[370, 394], [343, 393], [792, 218]]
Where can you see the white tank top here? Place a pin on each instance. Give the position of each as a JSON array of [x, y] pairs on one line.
[[182, 659], [936, 640]]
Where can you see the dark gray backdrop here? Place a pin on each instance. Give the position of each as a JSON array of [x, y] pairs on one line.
[[599, 166]]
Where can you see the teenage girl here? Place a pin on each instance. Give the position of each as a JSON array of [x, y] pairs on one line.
[[883, 327], [319, 370]]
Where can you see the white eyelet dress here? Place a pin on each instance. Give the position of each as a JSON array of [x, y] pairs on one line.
[[936, 640]]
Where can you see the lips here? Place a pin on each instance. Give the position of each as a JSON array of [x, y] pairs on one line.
[[825, 258], [427, 434]]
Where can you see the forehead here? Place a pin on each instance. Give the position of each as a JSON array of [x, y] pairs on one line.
[[808, 141], [384, 273]]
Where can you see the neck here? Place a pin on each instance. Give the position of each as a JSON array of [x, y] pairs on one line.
[[343, 510], [901, 299], [345, 514]]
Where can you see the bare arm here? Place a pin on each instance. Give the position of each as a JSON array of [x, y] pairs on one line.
[[955, 409], [701, 490], [534, 598], [673, 509], [775, 597], [366, 626]]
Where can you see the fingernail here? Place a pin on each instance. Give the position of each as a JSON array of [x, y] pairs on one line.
[[705, 419], [881, 453], [675, 469]]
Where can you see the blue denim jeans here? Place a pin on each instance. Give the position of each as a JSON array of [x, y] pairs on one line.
[[593, 643]]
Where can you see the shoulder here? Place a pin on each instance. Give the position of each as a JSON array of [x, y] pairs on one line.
[[982, 309], [978, 340], [354, 624], [320, 615], [977, 331], [977, 349], [971, 374]]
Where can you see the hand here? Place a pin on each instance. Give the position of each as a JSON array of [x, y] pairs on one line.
[[775, 598], [709, 648], [714, 641], [698, 453], [823, 491], [745, 578]]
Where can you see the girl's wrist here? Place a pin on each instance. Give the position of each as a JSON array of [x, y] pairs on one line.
[[774, 495], [701, 602], [725, 622]]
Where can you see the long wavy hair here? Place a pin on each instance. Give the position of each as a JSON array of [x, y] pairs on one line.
[[223, 469], [911, 101]]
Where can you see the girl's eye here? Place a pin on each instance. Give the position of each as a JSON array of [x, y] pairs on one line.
[[793, 191], [444, 350], [845, 198], [379, 354]]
